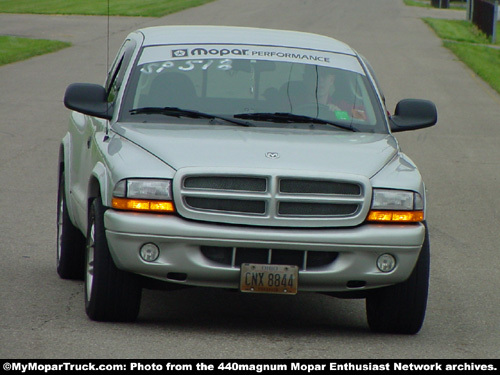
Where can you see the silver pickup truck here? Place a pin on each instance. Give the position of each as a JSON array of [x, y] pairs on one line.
[[249, 159]]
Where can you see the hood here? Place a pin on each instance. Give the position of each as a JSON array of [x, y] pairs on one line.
[[209, 146]]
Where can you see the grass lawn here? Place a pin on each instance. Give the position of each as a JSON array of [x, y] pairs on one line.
[[14, 49], [414, 3], [484, 61], [141, 8], [472, 47], [459, 31]]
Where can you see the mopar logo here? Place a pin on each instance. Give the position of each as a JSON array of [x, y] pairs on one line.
[[218, 52], [179, 53], [272, 155]]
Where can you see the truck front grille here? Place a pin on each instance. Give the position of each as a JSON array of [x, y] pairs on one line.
[[272, 200]]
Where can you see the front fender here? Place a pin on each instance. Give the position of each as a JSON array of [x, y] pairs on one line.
[[119, 159], [64, 165], [401, 173], [99, 184]]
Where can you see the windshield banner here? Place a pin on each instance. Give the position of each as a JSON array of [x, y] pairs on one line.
[[304, 56]]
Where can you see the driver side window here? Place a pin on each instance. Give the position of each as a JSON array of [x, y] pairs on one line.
[[117, 72]]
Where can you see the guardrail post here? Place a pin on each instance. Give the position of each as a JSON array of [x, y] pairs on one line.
[[495, 22], [470, 10]]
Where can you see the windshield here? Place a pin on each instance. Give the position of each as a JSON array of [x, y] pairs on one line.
[[266, 86]]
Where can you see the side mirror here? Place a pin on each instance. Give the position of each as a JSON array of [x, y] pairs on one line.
[[411, 114], [89, 99]]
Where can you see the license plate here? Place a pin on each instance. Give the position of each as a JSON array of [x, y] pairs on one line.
[[269, 278]]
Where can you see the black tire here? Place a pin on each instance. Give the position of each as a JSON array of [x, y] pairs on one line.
[[401, 308], [70, 241], [110, 294]]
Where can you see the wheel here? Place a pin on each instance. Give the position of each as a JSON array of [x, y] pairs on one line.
[[401, 308], [110, 294], [70, 241]]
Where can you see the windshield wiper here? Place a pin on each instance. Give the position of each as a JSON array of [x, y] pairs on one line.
[[179, 112], [285, 117]]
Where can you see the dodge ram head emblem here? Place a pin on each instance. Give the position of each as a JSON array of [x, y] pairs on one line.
[[272, 155]]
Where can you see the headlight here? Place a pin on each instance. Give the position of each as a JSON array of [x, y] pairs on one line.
[[143, 195], [396, 206]]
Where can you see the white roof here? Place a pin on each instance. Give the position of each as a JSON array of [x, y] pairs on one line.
[[162, 35]]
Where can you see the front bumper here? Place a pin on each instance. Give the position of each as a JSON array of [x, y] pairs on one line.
[[180, 243]]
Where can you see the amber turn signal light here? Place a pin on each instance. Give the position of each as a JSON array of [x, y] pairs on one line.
[[143, 205], [396, 216]]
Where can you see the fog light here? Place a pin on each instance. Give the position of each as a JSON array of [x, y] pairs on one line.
[[386, 263], [149, 252]]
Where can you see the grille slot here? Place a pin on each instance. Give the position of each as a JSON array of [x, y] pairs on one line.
[[227, 205], [296, 186], [234, 183], [316, 209], [236, 256], [259, 256]]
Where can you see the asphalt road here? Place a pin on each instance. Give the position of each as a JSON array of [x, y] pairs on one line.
[[42, 316]]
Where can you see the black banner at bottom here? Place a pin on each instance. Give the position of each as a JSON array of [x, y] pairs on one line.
[[233, 366]]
